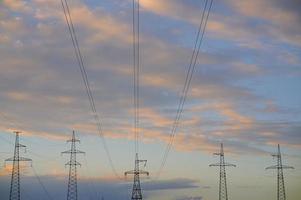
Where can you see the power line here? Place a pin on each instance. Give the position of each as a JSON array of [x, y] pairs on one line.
[[6, 140], [41, 183], [91, 182], [189, 75], [136, 189], [136, 68], [83, 71]]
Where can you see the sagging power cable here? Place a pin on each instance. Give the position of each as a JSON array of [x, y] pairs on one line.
[[84, 75], [191, 69], [136, 68], [41, 184]]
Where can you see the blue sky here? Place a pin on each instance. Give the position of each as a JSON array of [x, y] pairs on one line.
[[245, 93]]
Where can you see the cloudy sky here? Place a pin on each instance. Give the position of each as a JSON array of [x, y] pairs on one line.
[[245, 93]]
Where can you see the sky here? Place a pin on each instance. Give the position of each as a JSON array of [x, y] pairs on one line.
[[245, 93]]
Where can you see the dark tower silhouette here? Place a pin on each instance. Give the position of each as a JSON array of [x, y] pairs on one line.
[[136, 192], [280, 177], [72, 182], [223, 193], [15, 193]]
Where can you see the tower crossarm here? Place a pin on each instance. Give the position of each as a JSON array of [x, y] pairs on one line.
[[222, 165], [73, 140], [215, 165], [280, 167], [129, 172], [73, 163], [229, 165], [18, 159], [144, 172], [133, 172], [287, 167], [20, 146], [73, 151], [142, 161]]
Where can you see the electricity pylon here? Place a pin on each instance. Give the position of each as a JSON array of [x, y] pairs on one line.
[[15, 193], [280, 177], [136, 191], [223, 193], [72, 182]]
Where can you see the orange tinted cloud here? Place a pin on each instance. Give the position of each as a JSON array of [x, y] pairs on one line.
[[8, 167], [154, 117], [104, 26], [18, 96], [157, 6], [17, 5], [284, 24]]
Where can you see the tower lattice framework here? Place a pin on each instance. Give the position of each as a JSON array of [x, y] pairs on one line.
[[15, 188], [280, 177], [223, 191], [72, 181], [136, 191]]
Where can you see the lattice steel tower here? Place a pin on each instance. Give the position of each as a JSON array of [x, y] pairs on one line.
[[15, 193], [280, 177], [72, 182], [223, 192], [136, 191]]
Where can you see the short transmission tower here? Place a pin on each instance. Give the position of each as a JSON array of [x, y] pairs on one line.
[[72, 183], [280, 177], [15, 193], [136, 192], [223, 193]]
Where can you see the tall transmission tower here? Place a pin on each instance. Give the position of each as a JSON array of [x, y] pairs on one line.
[[280, 177], [15, 193], [223, 192], [136, 191], [72, 182]]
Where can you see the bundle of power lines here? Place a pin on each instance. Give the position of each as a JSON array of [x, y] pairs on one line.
[[136, 37]]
